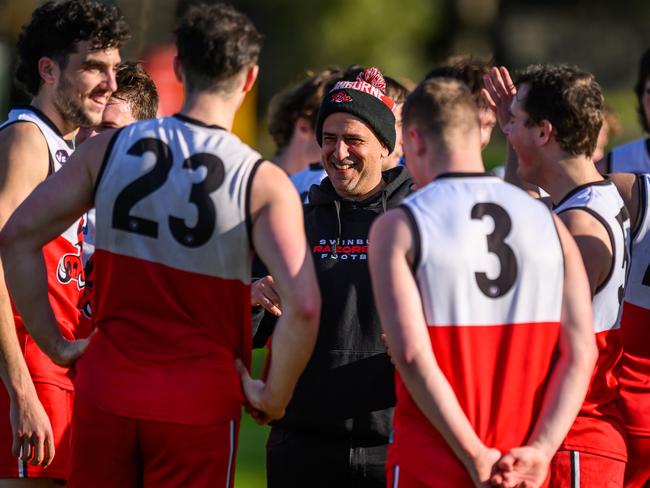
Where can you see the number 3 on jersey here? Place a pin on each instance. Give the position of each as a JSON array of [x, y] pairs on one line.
[[499, 286], [151, 181]]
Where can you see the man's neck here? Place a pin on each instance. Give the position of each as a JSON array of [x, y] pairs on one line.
[[457, 161], [211, 109], [43, 102], [567, 174]]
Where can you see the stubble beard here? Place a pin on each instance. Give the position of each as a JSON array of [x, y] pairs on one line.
[[69, 106]]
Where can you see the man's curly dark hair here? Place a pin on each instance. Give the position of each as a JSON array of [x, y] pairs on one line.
[[570, 99], [135, 86], [55, 29], [215, 43], [639, 88]]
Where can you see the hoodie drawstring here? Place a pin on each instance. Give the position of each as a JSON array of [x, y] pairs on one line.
[[337, 205]]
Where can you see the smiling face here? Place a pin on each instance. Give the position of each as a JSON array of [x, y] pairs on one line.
[[85, 85], [352, 156], [521, 135]]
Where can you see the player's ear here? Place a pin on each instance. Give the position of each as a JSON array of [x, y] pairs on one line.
[[416, 137], [303, 127], [178, 69], [251, 75], [545, 131], [49, 70]]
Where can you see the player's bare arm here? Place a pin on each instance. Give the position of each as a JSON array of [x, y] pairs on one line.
[[46, 213], [400, 309], [23, 165], [279, 239], [627, 185], [528, 465], [594, 244]]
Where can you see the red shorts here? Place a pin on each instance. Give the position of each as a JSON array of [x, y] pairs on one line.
[[574, 469], [398, 478], [637, 471], [109, 450], [57, 403]]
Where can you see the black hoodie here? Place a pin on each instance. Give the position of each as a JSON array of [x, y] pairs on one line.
[[347, 388]]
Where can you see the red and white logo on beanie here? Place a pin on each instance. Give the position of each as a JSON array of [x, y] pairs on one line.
[[340, 97]]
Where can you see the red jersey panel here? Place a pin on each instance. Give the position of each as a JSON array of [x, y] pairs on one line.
[[634, 374], [598, 429], [156, 356], [500, 401]]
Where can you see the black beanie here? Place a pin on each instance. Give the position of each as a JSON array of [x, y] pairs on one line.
[[364, 98]]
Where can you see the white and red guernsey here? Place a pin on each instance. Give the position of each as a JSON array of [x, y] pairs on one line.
[[172, 274], [635, 325], [598, 429], [65, 277], [490, 272]]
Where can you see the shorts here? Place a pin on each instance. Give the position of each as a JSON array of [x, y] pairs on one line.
[[575, 469], [637, 471], [58, 404], [297, 459], [110, 451], [398, 478]]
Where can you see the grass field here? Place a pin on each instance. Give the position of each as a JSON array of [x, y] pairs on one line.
[[252, 439]]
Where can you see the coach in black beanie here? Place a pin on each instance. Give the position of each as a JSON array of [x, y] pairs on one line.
[[337, 425], [366, 99]]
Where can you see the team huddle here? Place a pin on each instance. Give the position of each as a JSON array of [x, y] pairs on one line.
[[427, 324]]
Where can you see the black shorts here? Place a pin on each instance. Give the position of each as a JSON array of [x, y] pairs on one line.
[[296, 459]]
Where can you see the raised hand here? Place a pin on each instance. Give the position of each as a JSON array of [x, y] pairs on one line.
[[499, 92]]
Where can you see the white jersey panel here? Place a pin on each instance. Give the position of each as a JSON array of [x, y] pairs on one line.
[[637, 290], [174, 192], [603, 202], [59, 149], [489, 253], [633, 157]]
